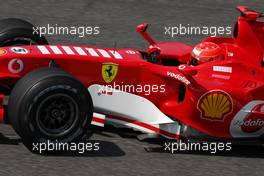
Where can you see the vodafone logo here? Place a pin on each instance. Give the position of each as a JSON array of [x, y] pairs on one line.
[[182, 67], [178, 77], [249, 121], [15, 66], [250, 126]]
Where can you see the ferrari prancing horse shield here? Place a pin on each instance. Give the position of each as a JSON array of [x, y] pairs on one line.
[[109, 71]]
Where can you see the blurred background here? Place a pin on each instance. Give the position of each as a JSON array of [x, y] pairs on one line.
[[118, 19]]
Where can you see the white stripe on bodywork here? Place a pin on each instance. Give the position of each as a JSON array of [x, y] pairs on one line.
[[131, 107], [116, 54], [172, 128], [43, 50], [68, 50], [124, 104], [55, 49], [220, 76], [80, 51], [104, 53], [99, 116], [92, 52], [131, 125]]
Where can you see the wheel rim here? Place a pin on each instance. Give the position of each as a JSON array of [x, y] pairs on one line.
[[57, 114]]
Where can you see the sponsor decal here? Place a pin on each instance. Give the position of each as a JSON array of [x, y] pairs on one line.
[[81, 51], [221, 76], [19, 50], [230, 54], [181, 67], [215, 105], [105, 92], [2, 52], [130, 52], [15, 66], [249, 121], [98, 119], [109, 71], [222, 69], [250, 125], [179, 77]]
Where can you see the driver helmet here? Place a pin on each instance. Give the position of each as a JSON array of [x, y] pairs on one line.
[[205, 52]]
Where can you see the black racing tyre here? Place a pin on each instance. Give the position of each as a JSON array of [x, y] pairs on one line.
[[49, 104], [14, 32]]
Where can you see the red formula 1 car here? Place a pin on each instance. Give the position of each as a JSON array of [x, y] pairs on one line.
[[55, 92]]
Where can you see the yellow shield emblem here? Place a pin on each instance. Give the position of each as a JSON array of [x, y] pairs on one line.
[[109, 71]]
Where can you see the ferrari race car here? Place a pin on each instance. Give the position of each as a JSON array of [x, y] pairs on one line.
[[56, 92]]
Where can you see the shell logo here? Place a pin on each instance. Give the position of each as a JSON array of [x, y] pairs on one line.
[[215, 105], [2, 51]]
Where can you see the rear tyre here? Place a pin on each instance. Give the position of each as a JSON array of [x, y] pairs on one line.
[[49, 105], [14, 32]]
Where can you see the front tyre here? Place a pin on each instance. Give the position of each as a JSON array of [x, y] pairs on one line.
[[50, 105]]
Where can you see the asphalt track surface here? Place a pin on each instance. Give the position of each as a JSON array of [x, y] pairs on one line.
[[123, 154]]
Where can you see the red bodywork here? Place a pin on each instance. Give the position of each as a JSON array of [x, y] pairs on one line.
[[213, 93]]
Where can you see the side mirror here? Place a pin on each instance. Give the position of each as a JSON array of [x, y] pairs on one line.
[[242, 9], [142, 27], [142, 30], [248, 13]]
